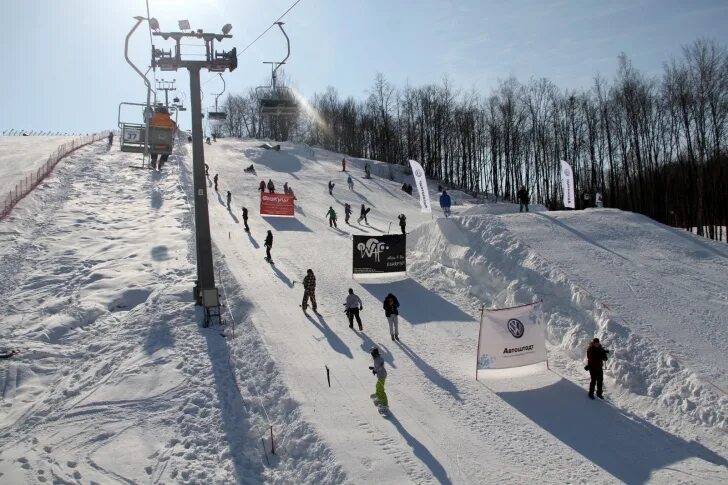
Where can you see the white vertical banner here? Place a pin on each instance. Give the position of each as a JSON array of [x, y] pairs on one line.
[[511, 337], [421, 183], [567, 185]]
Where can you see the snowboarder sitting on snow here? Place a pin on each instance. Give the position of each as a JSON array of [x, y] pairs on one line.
[[271, 187], [261, 187], [404, 187], [381, 373], [331, 187], [523, 199], [250, 169], [595, 356], [268, 246], [309, 290], [402, 221], [245, 219], [353, 305], [229, 198], [445, 202], [391, 304], [214, 179], [331, 214], [363, 214], [347, 212]]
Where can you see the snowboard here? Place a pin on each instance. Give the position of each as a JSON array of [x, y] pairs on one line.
[[383, 410]]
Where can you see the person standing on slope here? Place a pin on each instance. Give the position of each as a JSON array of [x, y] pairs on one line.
[[331, 214], [229, 198], [391, 306], [331, 187], [402, 222], [285, 188], [261, 187], [363, 214], [214, 179], [309, 290], [111, 138], [347, 212], [343, 164], [367, 170], [523, 199], [245, 219], [381, 373], [350, 182], [268, 246], [595, 356], [271, 187], [353, 306], [445, 203], [207, 170]]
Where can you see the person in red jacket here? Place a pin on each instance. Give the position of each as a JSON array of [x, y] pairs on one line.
[[595, 356], [261, 187], [343, 164]]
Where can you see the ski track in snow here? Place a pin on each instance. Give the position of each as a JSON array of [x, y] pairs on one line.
[[117, 382]]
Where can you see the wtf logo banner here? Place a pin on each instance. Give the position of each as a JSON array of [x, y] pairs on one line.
[[380, 254]]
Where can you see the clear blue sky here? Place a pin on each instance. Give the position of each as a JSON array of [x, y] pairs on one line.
[[63, 64]]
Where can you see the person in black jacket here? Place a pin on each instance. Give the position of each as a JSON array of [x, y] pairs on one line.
[[309, 290], [214, 179], [347, 212], [595, 356], [391, 311], [402, 222], [268, 246], [523, 199], [229, 198], [245, 219]]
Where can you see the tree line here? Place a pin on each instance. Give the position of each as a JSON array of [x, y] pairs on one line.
[[653, 145]]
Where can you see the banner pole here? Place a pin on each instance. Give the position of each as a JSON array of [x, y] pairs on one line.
[[480, 329]]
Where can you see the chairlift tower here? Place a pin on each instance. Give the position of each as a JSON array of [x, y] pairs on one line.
[[166, 86], [213, 62]]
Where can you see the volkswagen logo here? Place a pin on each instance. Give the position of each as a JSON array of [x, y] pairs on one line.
[[418, 172], [515, 327]]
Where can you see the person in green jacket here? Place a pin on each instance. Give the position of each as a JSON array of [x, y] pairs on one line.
[[331, 214]]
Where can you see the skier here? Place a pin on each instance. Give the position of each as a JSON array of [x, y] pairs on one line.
[[350, 182], [271, 187], [207, 170], [445, 203], [595, 356], [261, 187], [229, 198], [381, 373], [331, 187], [347, 212], [523, 199], [111, 138], [391, 305], [363, 214], [268, 246], [245, 219], [353, 306], [402, 222], [214, 179], [309, 290], [331, 214], [343, 164]]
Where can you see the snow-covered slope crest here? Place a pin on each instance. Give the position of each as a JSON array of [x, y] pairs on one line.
[[500, 270]]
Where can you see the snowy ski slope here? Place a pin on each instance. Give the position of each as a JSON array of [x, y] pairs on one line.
[[20, 155], [116, 382]]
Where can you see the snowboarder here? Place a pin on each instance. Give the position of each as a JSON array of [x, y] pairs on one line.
[[285, 187], [268, 246], [445, 203], [250, 169], [261, 187], [347, 212], [245, 219], [331, 187], [271, 187], [523, 199], [363, 214], [350, 182], [229, 198], [391, 305], [381, 373], [207, 170], [595, 356], [343, 164], [214, 179], [353, 306], [309, 290], [331, 214], [111, 138], [402, 222]]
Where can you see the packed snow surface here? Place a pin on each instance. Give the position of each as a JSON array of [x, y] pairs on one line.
[[21, 155], [116, 381]]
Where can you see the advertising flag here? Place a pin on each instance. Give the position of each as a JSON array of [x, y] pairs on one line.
[[511, 337], [421, 183], [379, 254], [567, 185]]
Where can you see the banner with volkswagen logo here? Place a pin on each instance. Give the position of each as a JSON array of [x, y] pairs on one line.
[[511, 337], [380, 254]]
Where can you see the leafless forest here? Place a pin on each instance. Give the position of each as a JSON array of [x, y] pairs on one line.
[[651, 145]]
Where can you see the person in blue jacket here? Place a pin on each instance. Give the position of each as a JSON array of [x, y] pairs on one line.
[[445, 202]]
